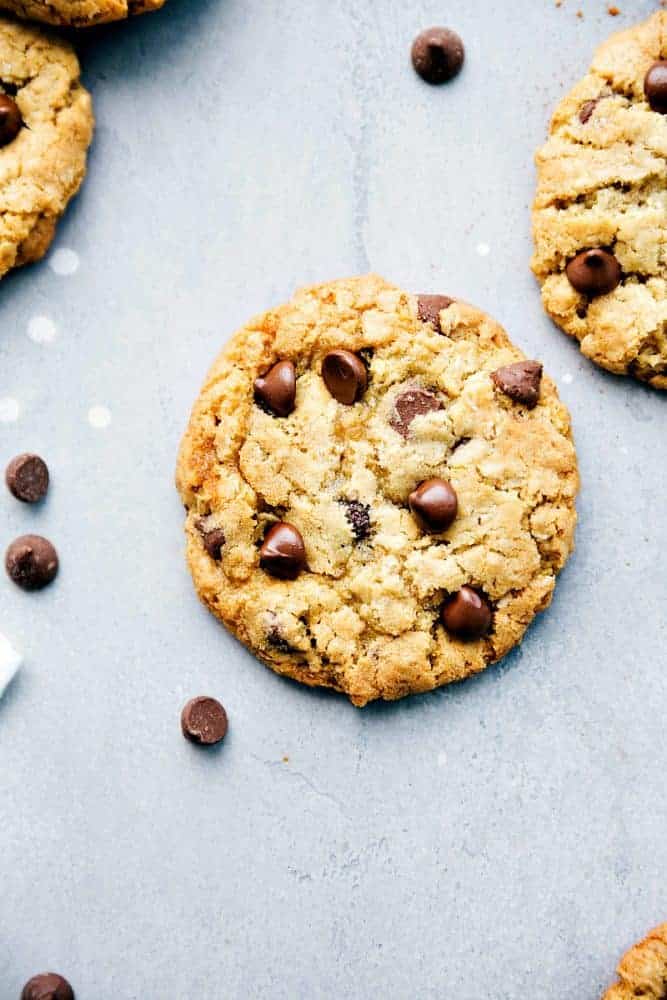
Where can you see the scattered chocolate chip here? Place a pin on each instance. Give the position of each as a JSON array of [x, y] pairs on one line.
[[10, 119], [27, 478], [467, 615], [587, 110], [437, 55], [520, 381], [594, 272], [655, 86], [213, 539], [359, 519], [410, 404], [434, 504], [345, 376], [31, 562], [204, 721], [276, 390], [429, 308], [283, 553], [278, 641], [47, 986]]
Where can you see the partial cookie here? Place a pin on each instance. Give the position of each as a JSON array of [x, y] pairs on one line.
[[46, 125], [600, 214], [643, 970], [79, 13], [380, 490]]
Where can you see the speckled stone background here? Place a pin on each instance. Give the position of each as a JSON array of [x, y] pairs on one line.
[[499, 840]]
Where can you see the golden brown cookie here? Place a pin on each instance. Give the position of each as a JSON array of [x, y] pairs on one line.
[[600, 214], [46, 125], [380, 489], [643, 970], [79, 13]]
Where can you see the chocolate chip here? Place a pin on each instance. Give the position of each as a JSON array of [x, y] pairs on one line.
[[204, 721], [434, 504], [27, 478], [47, 986], [655, 86], [410, 404], [345, 376], [467, 615], [278, 641], [594, 272], [283, 553], [520, 381], [437, 55], [587, 110], [276, 390], [213, 539], [31, 562], [358, 517], [429, 308], [10, 119]]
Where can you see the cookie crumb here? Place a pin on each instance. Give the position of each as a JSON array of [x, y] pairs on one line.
[[580, 15], [285, 760], [614, 11]]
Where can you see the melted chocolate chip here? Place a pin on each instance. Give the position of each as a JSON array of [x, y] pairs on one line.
[[345, 376], [275, 638], [437, 55], [276, 390], [655, 86], [594, 272], [10, 119], [412, 403], [27, 478], [283, 553], [587, 109], [520, 381], [204, 721], [429, 308], [31, 562], [434, 504], [359, 519], [47, 986], [213, 539], [467, 614]]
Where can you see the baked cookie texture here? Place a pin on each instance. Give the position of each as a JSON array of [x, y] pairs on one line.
[[364, 615], [79, 13], [643, 969], [44, 165], [602, 182]]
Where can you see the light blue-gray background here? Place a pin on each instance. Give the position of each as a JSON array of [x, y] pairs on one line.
[[498, 840]]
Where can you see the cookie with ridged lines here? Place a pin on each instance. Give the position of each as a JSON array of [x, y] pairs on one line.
[[642, 972], [79, 13], [380, 489], [600, 213], [46, 126]]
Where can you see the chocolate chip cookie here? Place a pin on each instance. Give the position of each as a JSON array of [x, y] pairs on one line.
[[79, 13], [380, 489], [46, 125], [600, 215], [643, 969]]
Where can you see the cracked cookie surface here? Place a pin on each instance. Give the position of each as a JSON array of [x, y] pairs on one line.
[[602, 185], [43, 166], [79, 13], [363, 611], [643, 969]]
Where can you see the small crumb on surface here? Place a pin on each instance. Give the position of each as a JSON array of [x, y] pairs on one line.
[[580, 15], [42, 330], [614, 11], [10, 661], [9, 410], [99, 417], [285, 760], [64, 262]]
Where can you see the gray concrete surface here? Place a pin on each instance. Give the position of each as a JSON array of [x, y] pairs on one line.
[[502, 839]]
